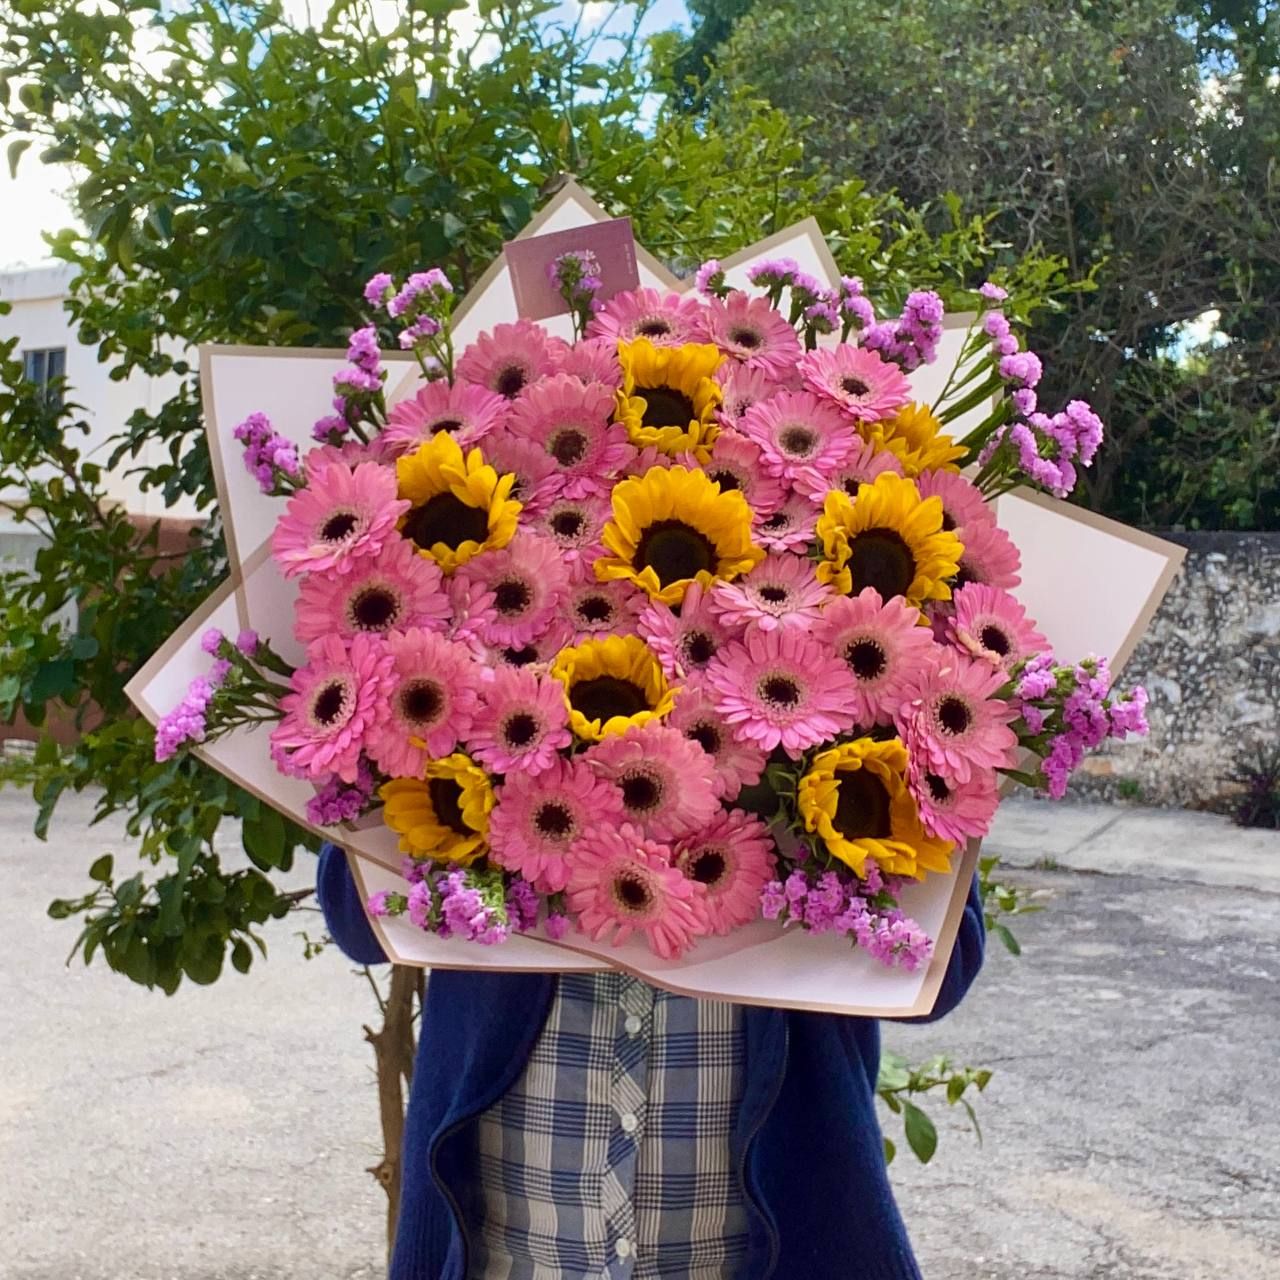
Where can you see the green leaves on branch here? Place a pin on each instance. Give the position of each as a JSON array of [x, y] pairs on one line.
[[898, 1083]]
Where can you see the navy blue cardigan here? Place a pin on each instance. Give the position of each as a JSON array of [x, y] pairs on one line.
[[808, 1141]]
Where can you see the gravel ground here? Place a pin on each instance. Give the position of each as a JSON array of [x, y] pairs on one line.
[[1130, 1130]]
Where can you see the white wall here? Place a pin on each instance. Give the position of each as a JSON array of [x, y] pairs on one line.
[[39, 321]]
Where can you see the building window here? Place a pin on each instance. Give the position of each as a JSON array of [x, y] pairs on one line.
[[44, 367]]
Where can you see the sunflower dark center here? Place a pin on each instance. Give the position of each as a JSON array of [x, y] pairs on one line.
[[595, 609], [632, 893], [798, 441], [330, 703], [706, 735], [510, 381], [338, 526], [446, 800], [854, 386], [862, 807], [568, 446], [996, 640], [954, 714], [520, 729], [774, 595], [520, 657], [675, 550], [741, 336], [880, 558], [420, 701], [666, 407], [446, 518], [567, 524], [699, 648], [512, 597], [375, 608], [654, 327], [726, 480], [605, 696], [865, 658], [938, 789], [553, 819], [640, 792], [782, 691], [446, 424]]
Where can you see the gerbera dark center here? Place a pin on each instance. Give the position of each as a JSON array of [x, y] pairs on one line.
[[338, 526], [640, 792], [954, 715], [446, 518], [708, 867], [567, 524], [568, 446], [446, 800], [780, 690], [854, 386], [520, 729], [851, 485], [420, 701], [994, 639], [632, 893], [675, 550], [865, 659], [653, 328], [948, 524], [375, 608], [330, 702], [880, 558], [699, 648], [446, 424], [798, 441], [707, 736], [510, 381], [774, 595], [779, 520], [726, 480], [862, 807], [666, 407], [553, 820], [604, 696], [595, 609], [938, 789], [742, 337], [512, 597], [521, 657]]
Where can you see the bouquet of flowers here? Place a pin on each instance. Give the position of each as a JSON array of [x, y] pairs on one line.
[[693, 620]]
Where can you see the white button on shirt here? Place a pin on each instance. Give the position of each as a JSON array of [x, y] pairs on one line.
[[629, 1123], [632, 1025], [623, 1248]]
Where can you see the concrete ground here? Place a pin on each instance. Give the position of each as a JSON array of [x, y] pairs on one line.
[[1130, 1128]]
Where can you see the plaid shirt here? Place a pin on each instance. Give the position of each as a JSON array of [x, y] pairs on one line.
[[609, 1159]]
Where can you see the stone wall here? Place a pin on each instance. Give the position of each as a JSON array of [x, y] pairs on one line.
[[1211, 663]]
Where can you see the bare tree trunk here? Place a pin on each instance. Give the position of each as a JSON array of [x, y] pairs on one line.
[[393, 1049]]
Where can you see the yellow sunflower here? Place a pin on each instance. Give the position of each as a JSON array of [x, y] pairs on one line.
[[672, 527], [461, 505], [888, 538], [610, 685], [855, 798], [669, 397], [444, 815], [914, 436]]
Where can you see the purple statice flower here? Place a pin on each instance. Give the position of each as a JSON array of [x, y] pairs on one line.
[[1021, 369], [993, 292], [522, 904], [330, 430], [352, 382], [911, 340], [576, 275], [421, 904], [824, 315], [363, 350], [268, 456], [466, 913], [412, 869], [188, 721], [824, 902], [856, 309], [423, 328], [773, 900], [378, 903], [1024, 401], [424, 292], [995, 324], [339, 801], [806, 289], [557, 925], [710, 280], [247, 642], [379, 289], [774, 273], [211, 641]]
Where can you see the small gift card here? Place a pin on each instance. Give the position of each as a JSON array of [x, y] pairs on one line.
[[530, 261]]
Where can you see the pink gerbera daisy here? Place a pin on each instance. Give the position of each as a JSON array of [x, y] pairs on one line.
[[744, 387], [522, 724], [953, 721], [989, 557], [335, 702], [597, 609], [752, 332], [737, 764], [666, 319], [782, 688], [621, 883], [666, 780], [528, 580], [861, 466], [510, 357], [538, 818], [733, 859], [736, 463], [781, 591], [962, 502], [684, 643], [350, 454], [537, 478], [954, 810], [432, 702], [393, 590], [575, 526], [989, 623], [882, 645], [538, 654], [644, 460], [859, 381], [789, 528], [340, 518], [797, 430], [466, 411], [570, 422], [592, 360]]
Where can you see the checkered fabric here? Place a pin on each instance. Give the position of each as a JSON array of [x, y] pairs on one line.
[[609, 1159]]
